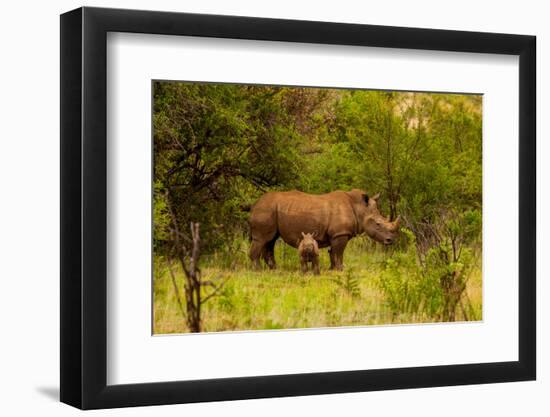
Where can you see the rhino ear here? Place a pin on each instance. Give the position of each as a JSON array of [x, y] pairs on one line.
[[303, 234], [376, 197]]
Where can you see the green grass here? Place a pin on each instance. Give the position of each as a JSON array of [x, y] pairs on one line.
[[285, 298]]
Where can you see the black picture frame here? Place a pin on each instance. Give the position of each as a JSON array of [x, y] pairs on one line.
[[84, 207]]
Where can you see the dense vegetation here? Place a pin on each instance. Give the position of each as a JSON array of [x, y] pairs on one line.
[[218, 147]]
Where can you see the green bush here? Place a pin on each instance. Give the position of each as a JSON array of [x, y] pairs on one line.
[[431, 279], [409, 288], [349, 283]]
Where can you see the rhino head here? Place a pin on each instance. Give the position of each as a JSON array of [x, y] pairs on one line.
[[376, 226], [308, 241]]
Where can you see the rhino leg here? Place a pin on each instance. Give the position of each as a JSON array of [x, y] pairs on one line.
[[315, 265], [256, 250], [269, 253], [337, 247], [332, 260], [263, 231], [303, 264], [265, 250]]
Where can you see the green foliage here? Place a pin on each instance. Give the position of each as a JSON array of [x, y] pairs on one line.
[[423, 151], [161, 216], [218, 147], [431, 280], [349, 283], [404, 286]]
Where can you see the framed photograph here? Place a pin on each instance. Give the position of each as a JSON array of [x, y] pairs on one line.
[[259, 208]]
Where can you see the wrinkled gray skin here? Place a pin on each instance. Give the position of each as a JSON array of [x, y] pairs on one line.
[[334, 217]]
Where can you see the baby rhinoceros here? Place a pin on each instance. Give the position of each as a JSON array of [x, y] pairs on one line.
[[308, 249]]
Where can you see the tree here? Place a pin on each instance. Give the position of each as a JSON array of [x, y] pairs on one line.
[[422, 150], [215, 145]]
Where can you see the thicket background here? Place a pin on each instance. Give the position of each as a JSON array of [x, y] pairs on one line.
[[218, 147]]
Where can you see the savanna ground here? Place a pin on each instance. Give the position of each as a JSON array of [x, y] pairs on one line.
[[219, 147], [285, 298]]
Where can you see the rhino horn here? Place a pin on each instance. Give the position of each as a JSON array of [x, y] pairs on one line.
[[397, 222]]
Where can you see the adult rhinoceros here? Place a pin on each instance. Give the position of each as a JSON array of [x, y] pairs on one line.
[[335, 218]]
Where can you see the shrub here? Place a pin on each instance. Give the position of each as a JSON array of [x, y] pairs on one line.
[[430, 277], [349, 283], [408, 288]]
